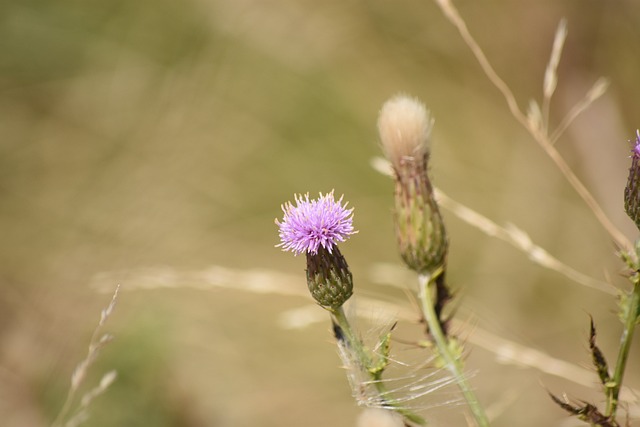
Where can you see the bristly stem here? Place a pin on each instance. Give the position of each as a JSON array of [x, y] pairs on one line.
[[446, 347], [630, 319], [366, 362]]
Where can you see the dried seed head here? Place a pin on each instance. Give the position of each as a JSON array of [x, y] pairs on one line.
[[404, 125]]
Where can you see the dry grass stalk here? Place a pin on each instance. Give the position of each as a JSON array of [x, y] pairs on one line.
[[540, 133], [97, 342], [505, 350], [511, 234], [520, 240]]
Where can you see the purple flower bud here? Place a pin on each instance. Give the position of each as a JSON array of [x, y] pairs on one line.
[[632, 190]]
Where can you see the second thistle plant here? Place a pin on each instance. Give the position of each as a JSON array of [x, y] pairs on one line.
[[405, 125], [629, 313], [632, 190]]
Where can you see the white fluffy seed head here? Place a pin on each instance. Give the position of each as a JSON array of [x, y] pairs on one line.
[[404, 125], [376, 417]]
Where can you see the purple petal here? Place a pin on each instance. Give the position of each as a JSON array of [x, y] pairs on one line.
[[309, 224]]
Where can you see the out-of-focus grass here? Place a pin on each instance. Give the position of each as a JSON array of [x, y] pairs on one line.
[[142, 134]]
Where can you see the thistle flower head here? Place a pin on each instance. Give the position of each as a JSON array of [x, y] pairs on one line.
[[404, 125], [314, 223], [632, 190]]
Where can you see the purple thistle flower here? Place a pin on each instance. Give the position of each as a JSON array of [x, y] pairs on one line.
[[312, 224], [632, 190]]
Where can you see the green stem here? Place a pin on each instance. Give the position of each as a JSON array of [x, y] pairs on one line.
[[442, 342], [366, 362], [630, 320], [352, 341]]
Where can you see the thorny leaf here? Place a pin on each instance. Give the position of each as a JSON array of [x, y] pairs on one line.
[[587, 412], [443, 296], [625, 306], [630, 260], [382, 351], [598, 358]]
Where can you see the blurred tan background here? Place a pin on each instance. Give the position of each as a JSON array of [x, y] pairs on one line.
[[159, 137]]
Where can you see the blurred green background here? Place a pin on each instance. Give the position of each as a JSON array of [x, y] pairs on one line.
[[164, 136]]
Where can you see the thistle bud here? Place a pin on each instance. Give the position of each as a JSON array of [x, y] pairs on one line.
[[632, 190], [404, 125], [328, 278]]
